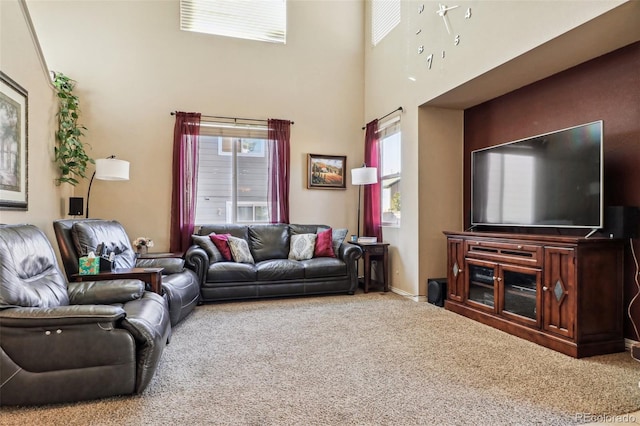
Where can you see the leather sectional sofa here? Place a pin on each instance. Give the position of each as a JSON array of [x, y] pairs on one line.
[[64, 342], [270, 272]]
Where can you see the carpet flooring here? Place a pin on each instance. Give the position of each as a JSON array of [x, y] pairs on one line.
[[367, 359]]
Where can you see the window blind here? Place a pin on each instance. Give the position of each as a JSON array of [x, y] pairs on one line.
[[234, 128], [264, 20], [385, 15]]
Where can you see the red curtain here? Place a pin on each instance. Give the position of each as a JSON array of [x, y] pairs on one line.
[[186, 134], [372, 223], [278, 179]]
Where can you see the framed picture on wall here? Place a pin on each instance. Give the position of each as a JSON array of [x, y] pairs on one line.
[[326, 171], [13, 144]]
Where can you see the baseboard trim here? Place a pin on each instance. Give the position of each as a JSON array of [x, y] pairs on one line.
[[415, 298]]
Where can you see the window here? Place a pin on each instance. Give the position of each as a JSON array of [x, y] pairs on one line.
[[390, 171], [232, 180], [264, 20], [385, 16]]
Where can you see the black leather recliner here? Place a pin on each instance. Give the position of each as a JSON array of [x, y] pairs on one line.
[[64, 342], [76, 237]]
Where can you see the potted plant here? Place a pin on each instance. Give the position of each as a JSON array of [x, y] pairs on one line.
[[70, 155]]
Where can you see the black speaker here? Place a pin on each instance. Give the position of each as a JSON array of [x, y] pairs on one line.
[[76, 206], [621, 221], [436, 291]]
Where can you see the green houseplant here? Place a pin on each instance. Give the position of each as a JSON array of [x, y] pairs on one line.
[[70, 155]]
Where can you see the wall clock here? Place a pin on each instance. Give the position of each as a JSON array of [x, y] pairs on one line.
[[452, 18]]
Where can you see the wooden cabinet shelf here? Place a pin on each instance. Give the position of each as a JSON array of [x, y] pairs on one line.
[[565, 293]]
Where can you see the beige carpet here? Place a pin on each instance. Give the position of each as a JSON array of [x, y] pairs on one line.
[[368, 359]]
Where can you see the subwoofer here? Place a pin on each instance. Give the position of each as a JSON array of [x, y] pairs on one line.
[[436, 291], [621, 221]]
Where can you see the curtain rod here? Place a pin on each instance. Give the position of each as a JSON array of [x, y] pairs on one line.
[[232, 118], [386, 115]]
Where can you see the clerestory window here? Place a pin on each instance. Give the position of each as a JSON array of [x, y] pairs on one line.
[[385, 16], [264, 20]]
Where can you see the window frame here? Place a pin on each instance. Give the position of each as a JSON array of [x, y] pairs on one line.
[[386, 130], [232, 203]]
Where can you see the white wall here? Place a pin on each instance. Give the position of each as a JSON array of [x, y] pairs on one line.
[[20, 61], [133, 66], [503, 46]]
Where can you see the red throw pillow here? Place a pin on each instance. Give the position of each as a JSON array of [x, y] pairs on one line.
[[222, 244], [324, 244]]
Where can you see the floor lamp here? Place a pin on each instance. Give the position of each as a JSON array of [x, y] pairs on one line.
[[363, 176], [109, 168]]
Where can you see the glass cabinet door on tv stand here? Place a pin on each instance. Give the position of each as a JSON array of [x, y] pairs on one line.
[[481, 290], [508, 290]]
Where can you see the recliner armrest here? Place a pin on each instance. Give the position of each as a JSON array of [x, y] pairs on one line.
[[104, 292], [171, 265], [60, 315]]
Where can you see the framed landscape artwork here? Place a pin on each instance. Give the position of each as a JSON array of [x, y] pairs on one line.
[[326, 171], [13, 144]]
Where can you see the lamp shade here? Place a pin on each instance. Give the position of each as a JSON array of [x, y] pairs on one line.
[[112, 169], [364, 175]]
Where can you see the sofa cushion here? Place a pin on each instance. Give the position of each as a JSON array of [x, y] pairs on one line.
[[338, 236], [280, 269], [223, 272], [240, 250], [269, 241], [88, 235], [320, 267], [302, 246], [324, 244], [205, 242], [222, 244]]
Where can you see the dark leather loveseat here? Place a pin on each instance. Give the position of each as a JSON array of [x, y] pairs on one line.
[[64, 342], [272, 274]]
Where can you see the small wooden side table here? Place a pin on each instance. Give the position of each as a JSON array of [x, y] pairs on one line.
[[375, 251], [151, 276]]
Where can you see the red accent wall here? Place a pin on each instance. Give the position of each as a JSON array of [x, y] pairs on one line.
[[605, 88]]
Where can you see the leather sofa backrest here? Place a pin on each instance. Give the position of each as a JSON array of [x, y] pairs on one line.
[[29, 276], [240, 231], [88, 235], [72, 233], [269, 241]]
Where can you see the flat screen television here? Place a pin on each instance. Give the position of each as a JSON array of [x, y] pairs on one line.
[[549, 180]]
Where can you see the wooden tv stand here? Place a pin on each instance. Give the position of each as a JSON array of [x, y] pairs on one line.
[[562, 292]]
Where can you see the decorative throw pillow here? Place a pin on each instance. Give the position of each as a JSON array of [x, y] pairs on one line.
[[205, 242], [302, 246], [338, 237], [324, 244], [240, 250], [221, 243]]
